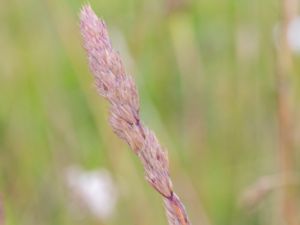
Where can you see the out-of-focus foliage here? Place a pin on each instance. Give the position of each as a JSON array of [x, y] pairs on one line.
[[206, 74]]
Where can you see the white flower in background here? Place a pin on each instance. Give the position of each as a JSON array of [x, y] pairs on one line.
[[293, 34], [95, 190]]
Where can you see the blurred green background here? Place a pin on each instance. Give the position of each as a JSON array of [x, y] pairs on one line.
[[205, 71]]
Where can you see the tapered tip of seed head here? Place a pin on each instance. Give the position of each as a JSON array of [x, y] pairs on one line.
[[93, 29], [87, 14]]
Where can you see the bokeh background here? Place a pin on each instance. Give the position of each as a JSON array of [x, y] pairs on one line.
[[206, 73]]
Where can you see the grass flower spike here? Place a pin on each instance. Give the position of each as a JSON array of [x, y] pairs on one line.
[[120, 90]]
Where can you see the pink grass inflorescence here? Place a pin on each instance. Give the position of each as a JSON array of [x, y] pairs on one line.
[[120, 90]]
